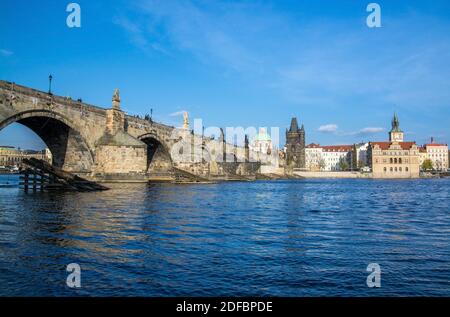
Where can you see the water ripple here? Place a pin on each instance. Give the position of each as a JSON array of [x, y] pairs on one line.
[[282, 238]]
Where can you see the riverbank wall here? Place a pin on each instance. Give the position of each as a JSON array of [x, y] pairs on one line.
[[308, 174]]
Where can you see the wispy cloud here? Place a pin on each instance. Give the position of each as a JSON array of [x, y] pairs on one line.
[[328, 128], [314, 63], [177, 113], [371, 130], [334, 129], [5, 52], [381, 67], [137, 35]]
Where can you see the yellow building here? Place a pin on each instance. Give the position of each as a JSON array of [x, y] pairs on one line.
[[10, 156], [396, 158]]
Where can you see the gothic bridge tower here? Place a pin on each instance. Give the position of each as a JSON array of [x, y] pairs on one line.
[[295, 146]]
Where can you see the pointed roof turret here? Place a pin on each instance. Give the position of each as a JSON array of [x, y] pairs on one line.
[[395, 124], [294, 125]]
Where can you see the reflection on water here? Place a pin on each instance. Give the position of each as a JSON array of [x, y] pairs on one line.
[[284, 238]]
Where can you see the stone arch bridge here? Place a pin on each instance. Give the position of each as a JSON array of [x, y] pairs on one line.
[[107, 144]]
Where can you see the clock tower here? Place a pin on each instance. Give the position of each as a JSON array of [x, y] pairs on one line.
[[395, 135]]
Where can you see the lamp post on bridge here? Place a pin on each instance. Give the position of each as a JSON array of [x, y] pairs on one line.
[[50, 77]]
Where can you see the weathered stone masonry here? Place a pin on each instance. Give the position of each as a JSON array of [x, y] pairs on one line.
[[107, 143]]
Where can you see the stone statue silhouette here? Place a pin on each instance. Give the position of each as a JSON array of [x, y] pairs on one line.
[[185, 120], [116, 95]]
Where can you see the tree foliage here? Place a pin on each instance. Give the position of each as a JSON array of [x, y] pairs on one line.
[[427, 165]]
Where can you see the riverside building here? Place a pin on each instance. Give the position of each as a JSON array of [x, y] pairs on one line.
[[396, 158]]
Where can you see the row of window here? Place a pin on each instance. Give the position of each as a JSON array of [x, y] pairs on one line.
[[396, 169], [396, 153], [439, 155], [394, 160], [10, 159]]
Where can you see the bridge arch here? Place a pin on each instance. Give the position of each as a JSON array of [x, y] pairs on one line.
[[69, 148], [159, 160]]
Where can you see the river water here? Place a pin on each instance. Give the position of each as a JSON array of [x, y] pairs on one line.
[[280, 238]]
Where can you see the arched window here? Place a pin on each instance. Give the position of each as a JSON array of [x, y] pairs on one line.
[[400, 169], [400, 160], [406, 169], [391, 169], [392, 161], [395, 161], [385, 169], [396, 168]]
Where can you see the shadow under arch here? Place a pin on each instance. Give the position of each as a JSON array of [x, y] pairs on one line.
[[69, 149], [158, 154]]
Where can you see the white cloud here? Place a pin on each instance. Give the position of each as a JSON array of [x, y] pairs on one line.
[[177, 113], [356, 68], [371, 130], [328, 128], [137, 35], [5, 52], [361, 133]]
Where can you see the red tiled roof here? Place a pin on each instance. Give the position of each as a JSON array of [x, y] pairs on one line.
[[337, 148], [386, 145]]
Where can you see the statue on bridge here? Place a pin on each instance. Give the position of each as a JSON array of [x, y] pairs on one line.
[[116, 100], [185, 120]]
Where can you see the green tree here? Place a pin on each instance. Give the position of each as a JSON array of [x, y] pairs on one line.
[[322, 164], [427, 165], [361, 164], [343, 165]]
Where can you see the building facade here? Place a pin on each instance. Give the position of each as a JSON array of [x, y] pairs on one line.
[[360, 159], [262, 142], [313, 158], [295, 146], [12, 157], [337, 157], [396, 158], [437, 154], [328, 157]]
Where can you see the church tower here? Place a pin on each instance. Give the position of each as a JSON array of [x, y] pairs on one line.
[[295, 145], [395, 135]]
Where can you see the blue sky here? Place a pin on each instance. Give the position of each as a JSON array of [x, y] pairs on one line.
[[241, 63]]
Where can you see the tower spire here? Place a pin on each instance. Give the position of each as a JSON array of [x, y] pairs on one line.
[[395, 123], [395, 134], [294, 125]]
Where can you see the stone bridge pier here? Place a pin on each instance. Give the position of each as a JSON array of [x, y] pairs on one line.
[[109, 145]]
